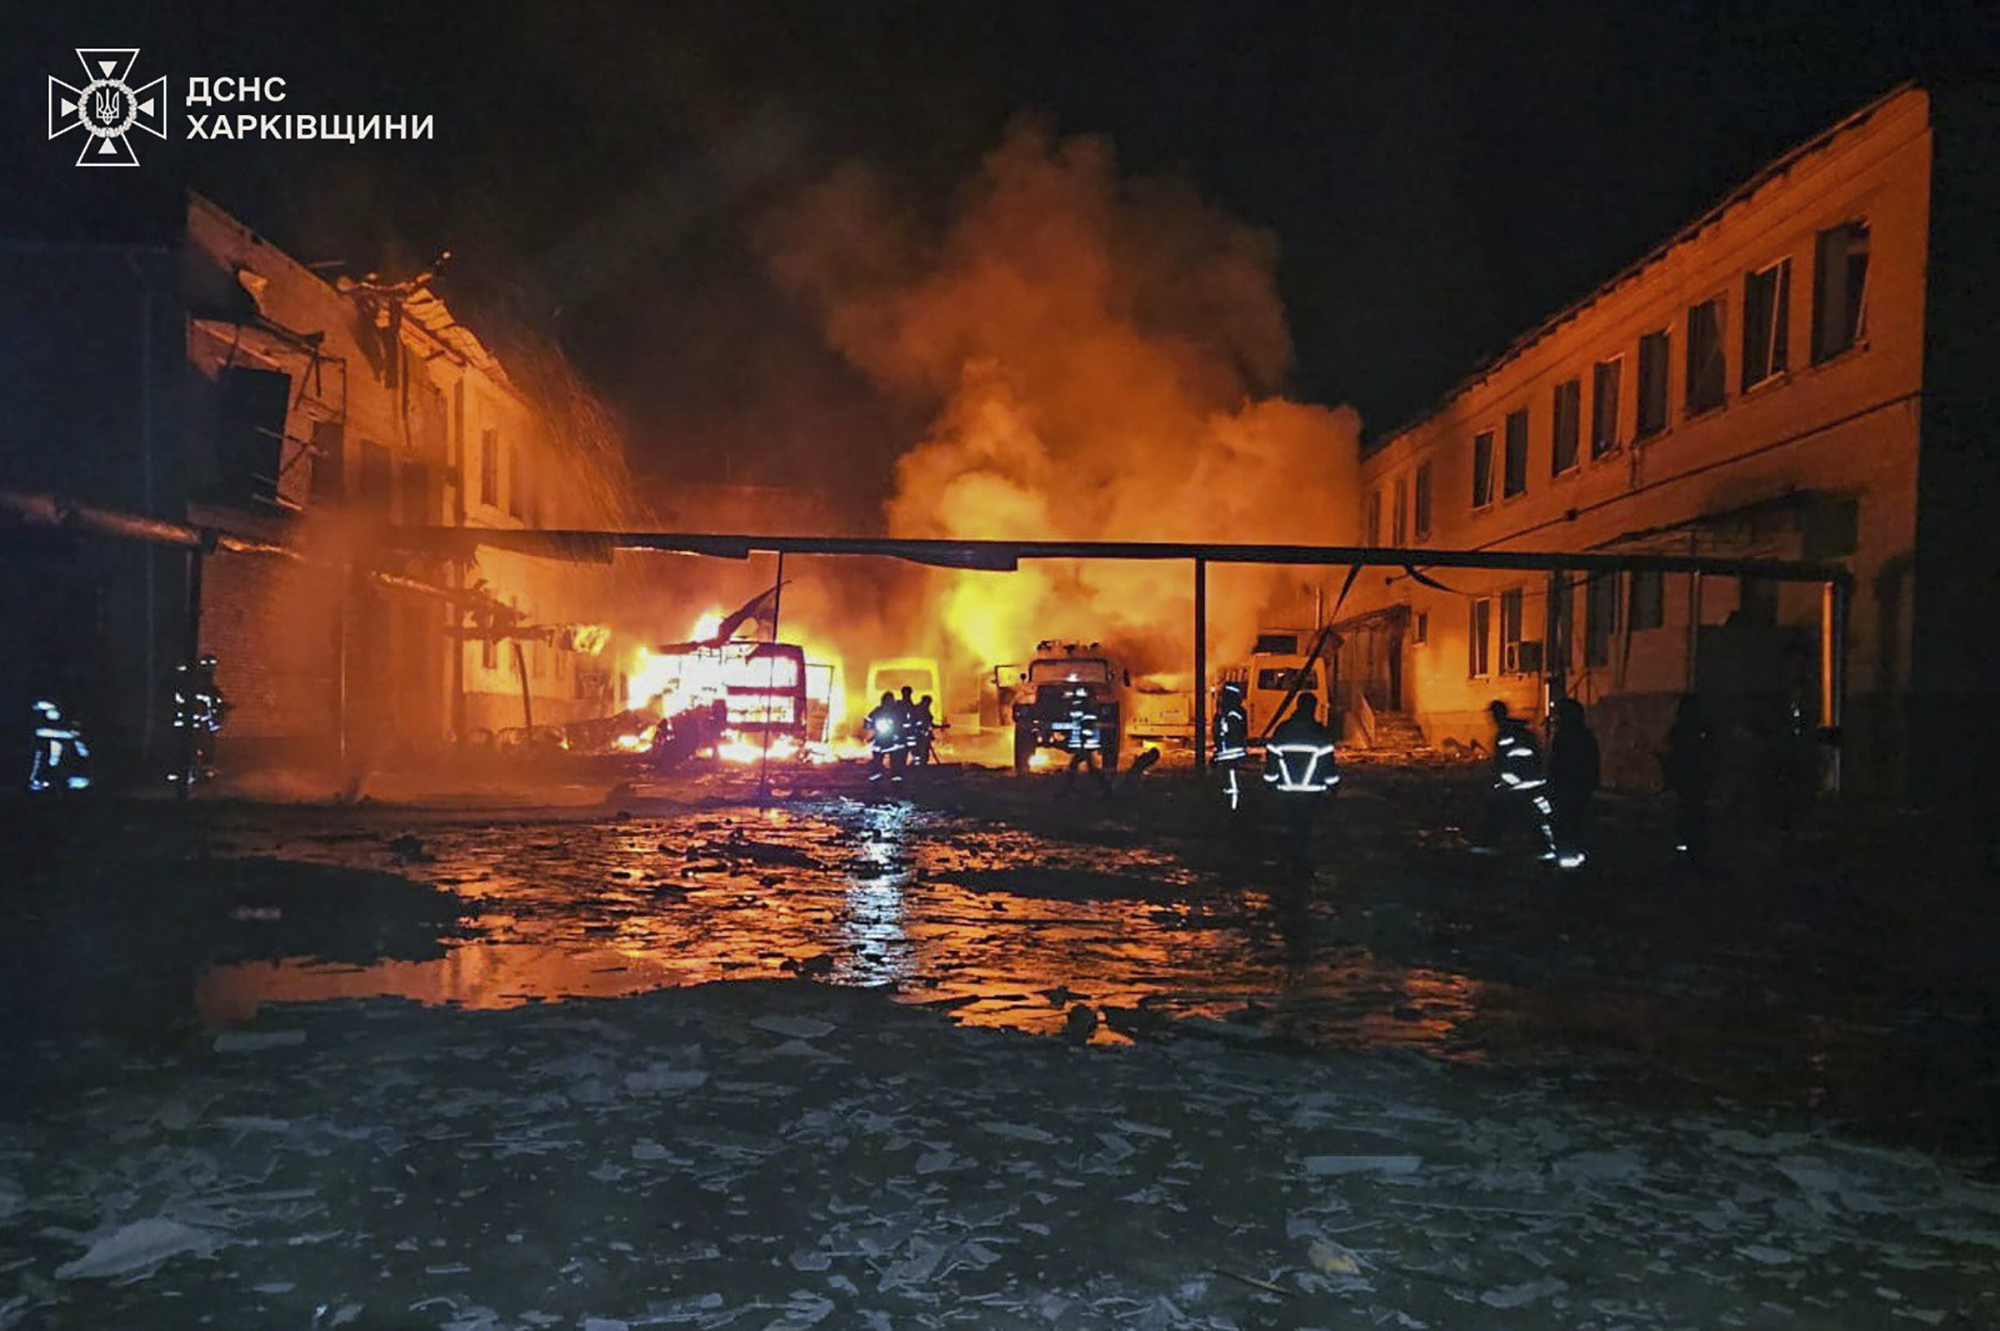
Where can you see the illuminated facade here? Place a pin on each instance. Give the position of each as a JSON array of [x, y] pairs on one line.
[[1779, 381]]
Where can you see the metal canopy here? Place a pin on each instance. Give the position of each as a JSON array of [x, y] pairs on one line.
[[1004, 556]]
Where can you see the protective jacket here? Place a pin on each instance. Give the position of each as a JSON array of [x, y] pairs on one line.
[[1232, 731], [1082, 727], [1299, 757], [1517, 759], [885, 727]]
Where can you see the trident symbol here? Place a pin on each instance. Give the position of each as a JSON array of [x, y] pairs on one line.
[[104, 106]]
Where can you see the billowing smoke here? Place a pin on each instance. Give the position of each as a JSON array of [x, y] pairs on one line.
[[1102, 355]]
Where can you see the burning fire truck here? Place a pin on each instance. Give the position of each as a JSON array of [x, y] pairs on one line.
[[1042, 706], [763, 689]]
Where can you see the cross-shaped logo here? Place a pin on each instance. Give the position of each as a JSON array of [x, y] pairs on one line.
[[107, 107]]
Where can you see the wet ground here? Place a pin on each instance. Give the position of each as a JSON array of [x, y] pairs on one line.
[[1790, 996]]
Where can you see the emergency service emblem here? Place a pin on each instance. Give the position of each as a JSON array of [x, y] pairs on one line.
[[107, 108]]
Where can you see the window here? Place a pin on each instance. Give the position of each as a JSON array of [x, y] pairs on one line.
[[378, 478], [1399, 516], [1706, 372], [413, 495], [1374, 517], [489, 648], [1564, 429], [1604, 377], [1282, 679], [1600, 617], [1840, 289], [1510, 631], [1649, 600], [329, 440], [1767, 311], [1478, 659], [1652, 384], [1423, 501], [1482, 469], [489, 468], [516, 487], [1420, 632], [1515, 479]]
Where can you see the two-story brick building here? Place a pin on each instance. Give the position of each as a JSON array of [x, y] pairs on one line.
[[1768, 383]]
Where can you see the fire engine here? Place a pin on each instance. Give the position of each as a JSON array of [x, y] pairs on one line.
[[1042, 699]]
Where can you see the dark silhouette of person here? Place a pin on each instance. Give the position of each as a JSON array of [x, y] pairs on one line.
[[922, 727], [1519, 789], [1083, 737], [1301, 765], [1232, 742], [885, 729], [1688, 767], [1574, 776]]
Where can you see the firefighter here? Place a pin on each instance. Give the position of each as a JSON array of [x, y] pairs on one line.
[[1519, 791], [61, 758], [1574, 775], [1300, 764], [1083, 737], [1232, 741], [884, 728], [923, 725], [199, 710]]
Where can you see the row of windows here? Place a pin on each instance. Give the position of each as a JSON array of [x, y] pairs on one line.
[[1839, 314], [1642, 605]]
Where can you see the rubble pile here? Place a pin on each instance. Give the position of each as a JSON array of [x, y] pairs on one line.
[[784, 1153]]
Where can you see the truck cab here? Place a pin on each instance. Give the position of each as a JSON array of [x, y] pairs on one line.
[[1041, 704]]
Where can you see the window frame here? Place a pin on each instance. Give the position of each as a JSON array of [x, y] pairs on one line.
[[1697, 376], [1508, 490], [1855, 327], [1479, 638], [1656, 581], [1663, 339], [1773, 349], [489, 466], [1399, 512], [1482, 470], [1420, 503], [1575, 418], [1601, 448]]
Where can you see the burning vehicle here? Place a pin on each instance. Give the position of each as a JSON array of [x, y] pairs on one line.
[[744, 701], [1043, 700]]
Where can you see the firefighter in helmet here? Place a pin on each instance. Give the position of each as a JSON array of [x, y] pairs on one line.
[[1519, 789], [1232, 740], [1300, 764], [884, 728], [61, 759], [1083, 737], [199, 710], [923, 725]]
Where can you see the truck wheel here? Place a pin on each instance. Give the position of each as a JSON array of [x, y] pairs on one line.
[[1024, 748]]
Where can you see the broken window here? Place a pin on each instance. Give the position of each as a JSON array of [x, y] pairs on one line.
[[1566, 428], [516, 488], [1423, 501], [1649, 600], [1767, 310], [1478, 658], [1515, 481], [1604, 377], [1482, 469], [1374, 517], [489, 468], [1510, 630], [1399, 516], [1652, 384], [1600, 617], [1706, 372], [1840, 289]]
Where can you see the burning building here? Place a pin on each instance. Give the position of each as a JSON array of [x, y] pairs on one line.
[[328, 430], [1794, 375]]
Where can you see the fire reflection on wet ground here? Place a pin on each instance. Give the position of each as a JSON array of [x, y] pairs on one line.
[[867, 894], [1003, 926]]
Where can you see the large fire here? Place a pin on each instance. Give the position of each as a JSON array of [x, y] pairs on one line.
[[1101, 356], [781, 701]]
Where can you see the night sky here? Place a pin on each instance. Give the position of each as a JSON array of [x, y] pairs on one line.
[[1438, 178]]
